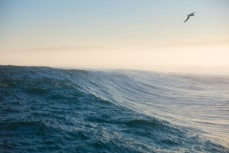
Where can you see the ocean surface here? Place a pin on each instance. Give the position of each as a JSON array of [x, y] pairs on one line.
[[85, 111]]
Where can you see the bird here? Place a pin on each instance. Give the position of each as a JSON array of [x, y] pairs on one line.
[[191, 14]]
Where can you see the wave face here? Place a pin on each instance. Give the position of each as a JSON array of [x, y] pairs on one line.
[[51, 110]]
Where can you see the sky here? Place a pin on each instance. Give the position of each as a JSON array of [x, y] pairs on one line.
[[138, 34]]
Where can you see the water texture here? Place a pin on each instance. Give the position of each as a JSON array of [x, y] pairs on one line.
[[55, 110]]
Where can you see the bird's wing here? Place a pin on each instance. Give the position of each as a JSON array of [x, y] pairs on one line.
[[187, 18]]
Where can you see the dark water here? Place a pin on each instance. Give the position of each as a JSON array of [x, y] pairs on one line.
[[55, 110]]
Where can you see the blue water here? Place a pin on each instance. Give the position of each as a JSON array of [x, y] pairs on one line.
[[56, 110]]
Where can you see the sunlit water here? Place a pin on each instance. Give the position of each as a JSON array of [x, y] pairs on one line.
[[49, 110]]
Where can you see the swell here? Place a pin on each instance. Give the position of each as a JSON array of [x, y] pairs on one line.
[[196, 100]]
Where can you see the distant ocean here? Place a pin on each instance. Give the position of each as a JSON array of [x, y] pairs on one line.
[[107, 111]]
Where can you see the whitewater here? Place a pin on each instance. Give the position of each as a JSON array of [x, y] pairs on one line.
[[66, 110]]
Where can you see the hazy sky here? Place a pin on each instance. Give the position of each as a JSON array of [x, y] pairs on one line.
[[114, 33]]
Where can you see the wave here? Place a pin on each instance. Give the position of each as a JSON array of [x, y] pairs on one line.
[[46, 110]]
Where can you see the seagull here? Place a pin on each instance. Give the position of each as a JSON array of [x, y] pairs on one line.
[[192, 14]]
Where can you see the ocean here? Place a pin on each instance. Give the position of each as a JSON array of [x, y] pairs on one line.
[[107, 111]]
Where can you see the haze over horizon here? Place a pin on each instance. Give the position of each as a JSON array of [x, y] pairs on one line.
[[129, 34]]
